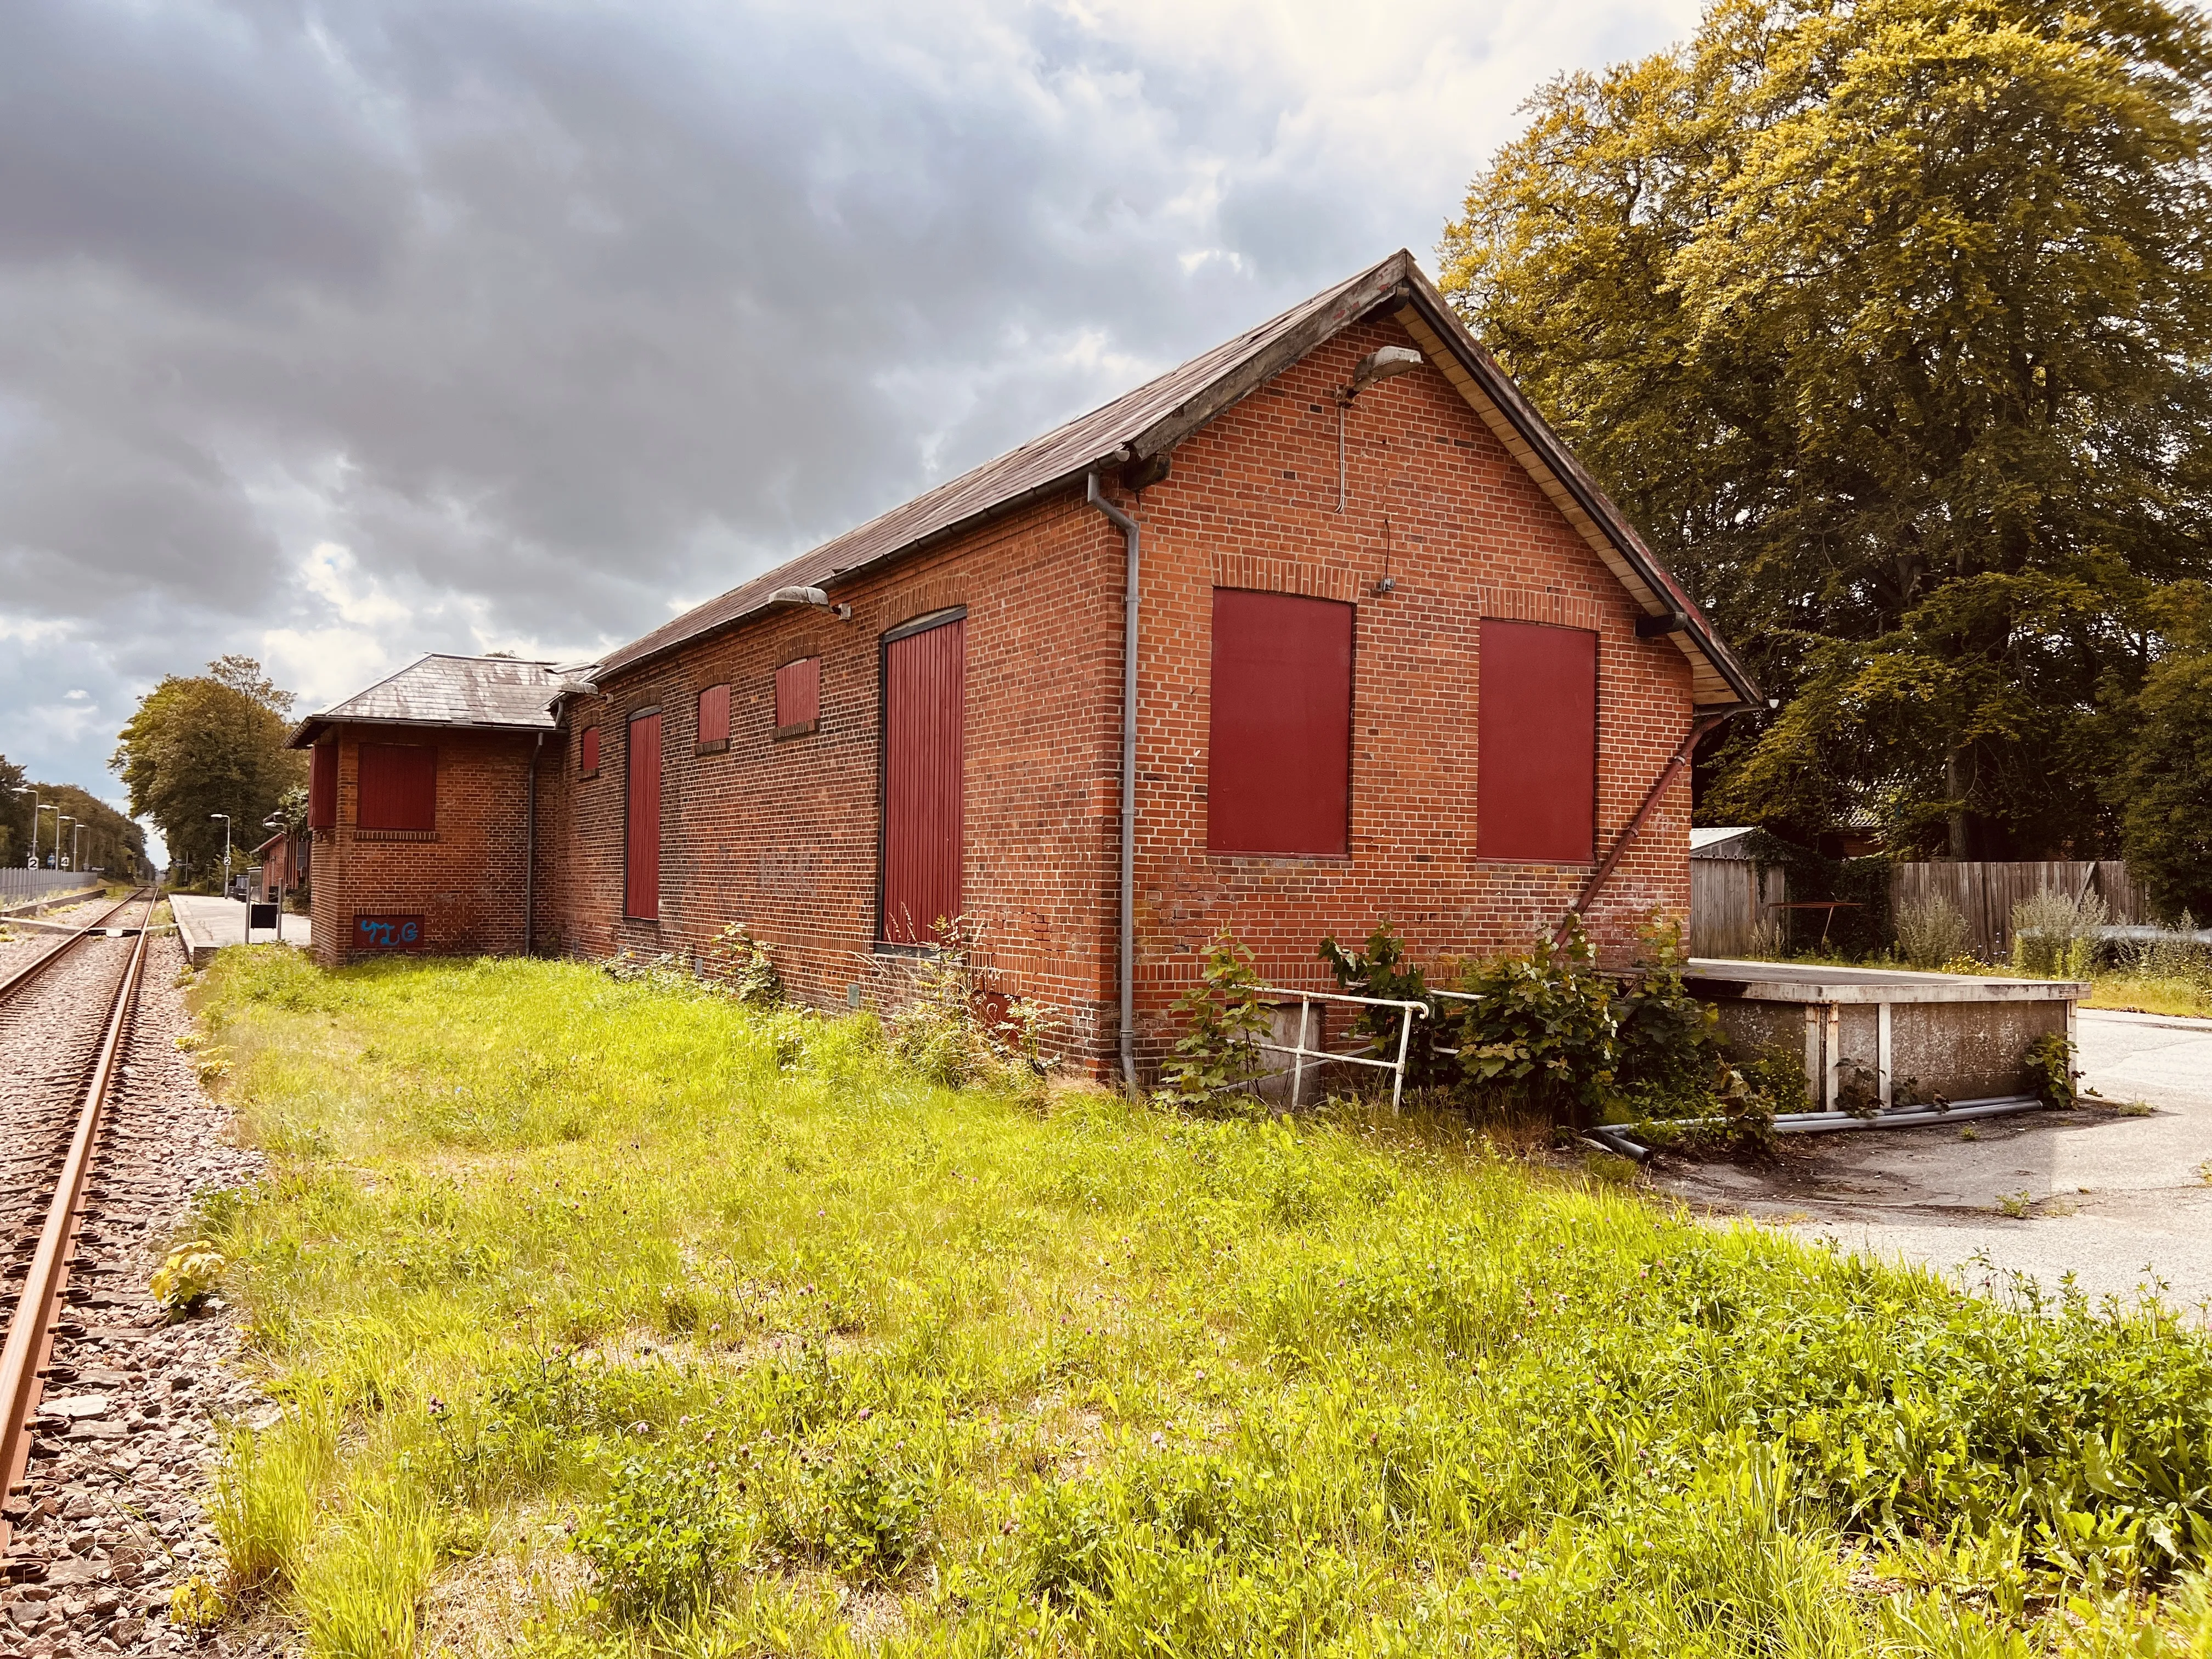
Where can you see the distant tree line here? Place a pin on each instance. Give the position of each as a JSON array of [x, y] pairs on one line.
[[110, 840], [1889, 320]]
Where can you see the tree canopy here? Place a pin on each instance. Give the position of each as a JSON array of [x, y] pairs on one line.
[[1888, 320], [211, 743]]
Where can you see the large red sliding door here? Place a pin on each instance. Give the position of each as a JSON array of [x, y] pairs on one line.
[[641, 850], [925, 689]]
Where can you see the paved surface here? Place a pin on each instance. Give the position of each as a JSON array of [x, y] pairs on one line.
[[206, 924], [2116, 1195]]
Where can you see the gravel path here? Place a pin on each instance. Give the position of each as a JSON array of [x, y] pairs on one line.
[[128, 1426]]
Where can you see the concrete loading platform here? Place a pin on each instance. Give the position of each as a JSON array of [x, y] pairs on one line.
[[1887, 1039]]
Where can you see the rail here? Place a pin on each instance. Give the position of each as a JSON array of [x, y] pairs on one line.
[[39, 964], [1409, 1012], [30, 1330]]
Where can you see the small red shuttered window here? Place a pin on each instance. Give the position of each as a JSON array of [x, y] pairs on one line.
[[1536, 727], [323, 786], [641, 849], [714, 717], [798, 697], [398, 787], [1278, 753], [925, 699], [587, 751]]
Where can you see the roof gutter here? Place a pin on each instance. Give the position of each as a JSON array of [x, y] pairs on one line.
[[1126, 970]]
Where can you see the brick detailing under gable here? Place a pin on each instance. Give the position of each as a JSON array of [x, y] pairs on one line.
[[1314, 581], [1539, 605]]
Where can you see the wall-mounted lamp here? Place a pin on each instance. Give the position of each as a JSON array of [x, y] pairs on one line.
[[1383, 363], [813, 596]]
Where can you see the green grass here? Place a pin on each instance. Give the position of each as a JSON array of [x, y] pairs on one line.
[[801, 1354], [2151, 993]]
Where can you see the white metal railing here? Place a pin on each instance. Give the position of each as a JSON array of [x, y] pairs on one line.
[[19, 885], [1408, 1012]]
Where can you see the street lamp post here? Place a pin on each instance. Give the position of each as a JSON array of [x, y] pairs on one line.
[[76, 847], [55, 808], [225, 816], [60, 818]]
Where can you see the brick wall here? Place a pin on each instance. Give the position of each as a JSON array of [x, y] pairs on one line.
[[464, 879], [782, 836]]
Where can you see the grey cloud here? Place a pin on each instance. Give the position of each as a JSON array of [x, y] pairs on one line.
[[557, 315]]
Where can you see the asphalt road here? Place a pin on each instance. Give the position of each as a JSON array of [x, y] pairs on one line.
[[2118, 1196]]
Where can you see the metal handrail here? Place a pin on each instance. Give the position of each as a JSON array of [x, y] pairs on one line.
[[1301, 1054]]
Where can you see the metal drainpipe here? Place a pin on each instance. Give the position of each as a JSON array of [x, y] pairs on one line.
[[530, 846], [1128, 955]]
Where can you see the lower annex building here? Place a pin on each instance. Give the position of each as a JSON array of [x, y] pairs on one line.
[[1323, 627]]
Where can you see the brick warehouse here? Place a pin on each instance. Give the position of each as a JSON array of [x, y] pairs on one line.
[[1395, 655]]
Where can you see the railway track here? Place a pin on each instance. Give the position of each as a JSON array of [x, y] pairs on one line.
[[65, 1018]]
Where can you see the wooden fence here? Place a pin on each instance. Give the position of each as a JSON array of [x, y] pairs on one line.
[[1729, 898], [1986, 893]]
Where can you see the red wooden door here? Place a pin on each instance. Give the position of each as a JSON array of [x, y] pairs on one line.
[[641, 863], [925, 691], [1536, 736]]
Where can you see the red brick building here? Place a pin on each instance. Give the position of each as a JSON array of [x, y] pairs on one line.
[[1395, 655], [426, 795]]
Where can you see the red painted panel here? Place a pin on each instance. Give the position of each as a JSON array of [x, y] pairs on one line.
[[715, 714], [587, 759], [641, 865], [323, 786], [1536, 766], [1278, 758], [799, 693], [925, 695], [398, 787]]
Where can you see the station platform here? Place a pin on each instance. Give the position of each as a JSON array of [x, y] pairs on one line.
[[205, 924]]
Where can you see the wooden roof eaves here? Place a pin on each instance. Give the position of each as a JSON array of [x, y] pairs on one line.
[[304, 734], [1716, 676]]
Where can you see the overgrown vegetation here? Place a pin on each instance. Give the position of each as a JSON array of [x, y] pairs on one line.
[[1543, 1031], [1221, 1020], [734, 1335]]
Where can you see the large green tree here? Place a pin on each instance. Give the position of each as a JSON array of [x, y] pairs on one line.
[[15, 812], [1889, 320], [207, 743]]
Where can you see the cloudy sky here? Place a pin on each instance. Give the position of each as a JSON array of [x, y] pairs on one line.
[[333, 335]]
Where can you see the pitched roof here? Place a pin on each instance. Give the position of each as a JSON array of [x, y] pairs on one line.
[[462, 693], [1158, 414]]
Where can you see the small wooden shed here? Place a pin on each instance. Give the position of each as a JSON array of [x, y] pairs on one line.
[[1731, 892]]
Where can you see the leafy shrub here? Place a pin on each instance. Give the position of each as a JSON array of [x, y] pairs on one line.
[[1383, 969], [1542, 1031], [2055, 937], [1930, 930], [189, 1276], [1668, 1050], [1225, 1019], [745, 967], [2050, 1061], [664, 1534]]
